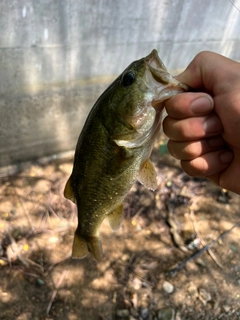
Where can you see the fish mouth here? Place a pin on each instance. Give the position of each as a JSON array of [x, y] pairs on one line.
[[163, 85]]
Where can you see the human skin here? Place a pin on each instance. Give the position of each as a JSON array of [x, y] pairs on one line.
[[203, 126]]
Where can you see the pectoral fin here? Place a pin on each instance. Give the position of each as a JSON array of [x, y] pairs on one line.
[[115, 218], [82, 245], [147, 175], [68, 192]]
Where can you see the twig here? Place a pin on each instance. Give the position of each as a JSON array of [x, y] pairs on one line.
[[174, 228], [49, 269], [53, 212], [199, 252], [29, 274], [212, 255], [63, 275], [24, 210]]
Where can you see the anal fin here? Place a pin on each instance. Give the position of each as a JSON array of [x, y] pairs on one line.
[[115, 218], [147, 175], [83, 244]]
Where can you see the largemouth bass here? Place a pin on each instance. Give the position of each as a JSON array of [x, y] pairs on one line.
[[114, 148]]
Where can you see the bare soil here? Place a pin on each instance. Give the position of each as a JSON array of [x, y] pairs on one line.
[[39, 280]]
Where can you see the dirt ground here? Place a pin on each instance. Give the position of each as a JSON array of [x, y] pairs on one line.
[[161, 229]]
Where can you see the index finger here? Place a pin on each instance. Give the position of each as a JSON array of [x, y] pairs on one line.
[[210, 70], [189, 104]]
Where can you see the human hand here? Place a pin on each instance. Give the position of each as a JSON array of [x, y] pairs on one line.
[[204, 126]]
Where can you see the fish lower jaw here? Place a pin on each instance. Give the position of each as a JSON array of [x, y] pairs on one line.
[[167, 93]]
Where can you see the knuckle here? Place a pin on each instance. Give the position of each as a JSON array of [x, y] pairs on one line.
[[182, 130], [196, 167], [187, 168], [173, 150], [167, 126], [191, 151], [182, 150], [202, 56]]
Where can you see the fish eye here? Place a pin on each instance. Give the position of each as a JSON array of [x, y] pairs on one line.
[[128, 79]]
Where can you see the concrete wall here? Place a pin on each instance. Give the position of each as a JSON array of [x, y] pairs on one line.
[[56, 57]]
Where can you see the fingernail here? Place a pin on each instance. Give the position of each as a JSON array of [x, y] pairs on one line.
[[212, 124], [201, 105], [226, 156]]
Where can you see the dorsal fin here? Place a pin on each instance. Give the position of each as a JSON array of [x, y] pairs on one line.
[[68, 192]]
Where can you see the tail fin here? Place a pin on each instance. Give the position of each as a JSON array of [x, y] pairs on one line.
[[82, 245]]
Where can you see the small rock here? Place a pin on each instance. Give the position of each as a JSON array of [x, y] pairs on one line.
[[3, 263], [136, 284], [193, 291], [194, 244], [178, 317], [124, 313], [168, 287], [125, 257], [226, 308], [144, 313], [133, 312], [166, 314], [233, 248], [4, 296], [200, 262], [150, 317], [236, 268], [40, 281], [135, 300], [1, 250], [169, 184], [204, 296]]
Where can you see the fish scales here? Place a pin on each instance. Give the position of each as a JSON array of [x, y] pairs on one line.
[[114, 148]]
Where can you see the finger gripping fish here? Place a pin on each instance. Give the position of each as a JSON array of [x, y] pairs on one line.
[[114, 148]]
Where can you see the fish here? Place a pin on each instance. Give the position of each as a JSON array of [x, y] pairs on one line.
[[114, 147]]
